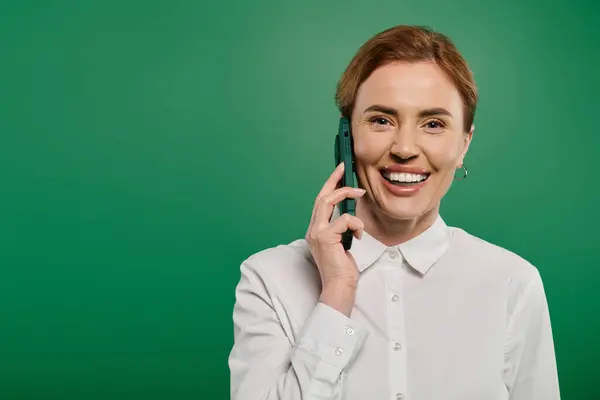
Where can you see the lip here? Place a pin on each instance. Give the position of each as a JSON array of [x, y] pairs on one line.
[[410, 169], [404, 191]]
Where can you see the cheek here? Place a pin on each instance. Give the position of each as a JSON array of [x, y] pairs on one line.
[[369, 151], [443, 161], [443, 156]]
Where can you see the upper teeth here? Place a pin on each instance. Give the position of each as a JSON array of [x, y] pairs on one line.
[[404, 177]]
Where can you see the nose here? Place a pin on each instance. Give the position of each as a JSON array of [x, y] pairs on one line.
[[405, 143]]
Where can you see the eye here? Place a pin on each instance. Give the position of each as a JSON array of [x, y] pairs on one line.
[[379, 122], [434, 125]]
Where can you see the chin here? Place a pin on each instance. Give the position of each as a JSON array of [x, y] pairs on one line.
[[407, 202], [404, 201], [405, 209]]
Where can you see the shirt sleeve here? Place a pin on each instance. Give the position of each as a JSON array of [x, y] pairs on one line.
[[267, 363], [530, 366]]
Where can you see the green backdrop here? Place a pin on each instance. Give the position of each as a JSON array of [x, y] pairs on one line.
[[148, 147]]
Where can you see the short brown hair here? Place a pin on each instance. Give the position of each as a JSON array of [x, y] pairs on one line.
[[412, 44]]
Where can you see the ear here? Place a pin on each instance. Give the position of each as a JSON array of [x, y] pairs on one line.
[[467, 142]]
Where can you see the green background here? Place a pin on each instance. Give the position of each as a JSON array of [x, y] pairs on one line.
[[148, 147]]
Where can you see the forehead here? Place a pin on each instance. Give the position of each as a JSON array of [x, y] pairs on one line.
[[409, 86]]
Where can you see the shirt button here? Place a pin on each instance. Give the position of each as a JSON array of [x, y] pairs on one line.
[[338, 352], [395, 298], [397, 346], [399, 396], [350, 331], [393, 254]]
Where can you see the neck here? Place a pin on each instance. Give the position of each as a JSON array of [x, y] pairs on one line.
[[389, 230]]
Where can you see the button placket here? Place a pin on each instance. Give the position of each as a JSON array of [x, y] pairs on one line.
[[394, 278]]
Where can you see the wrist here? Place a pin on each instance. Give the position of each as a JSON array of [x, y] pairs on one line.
[[339, 296]]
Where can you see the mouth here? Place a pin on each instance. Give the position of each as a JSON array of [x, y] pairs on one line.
[[404, 179]]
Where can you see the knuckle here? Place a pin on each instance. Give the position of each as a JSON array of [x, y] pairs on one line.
[[316, 235], [325, 200], [353, 220], [319, 239]]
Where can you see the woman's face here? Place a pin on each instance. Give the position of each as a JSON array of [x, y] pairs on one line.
[[408, 137]]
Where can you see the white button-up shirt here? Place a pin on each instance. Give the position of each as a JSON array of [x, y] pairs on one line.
[[444, 316]]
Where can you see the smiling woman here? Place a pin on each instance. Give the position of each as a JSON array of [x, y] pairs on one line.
[[408, 119], [415, 309]]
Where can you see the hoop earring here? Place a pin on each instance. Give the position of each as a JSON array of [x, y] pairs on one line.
[[464, 174]]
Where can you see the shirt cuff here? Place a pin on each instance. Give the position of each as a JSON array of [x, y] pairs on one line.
[[333, 337]]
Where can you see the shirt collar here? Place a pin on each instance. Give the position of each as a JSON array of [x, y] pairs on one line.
[[424, 250], [366, 250], [420, 252]]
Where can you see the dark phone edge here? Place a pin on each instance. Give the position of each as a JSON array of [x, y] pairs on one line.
[[345, 153]]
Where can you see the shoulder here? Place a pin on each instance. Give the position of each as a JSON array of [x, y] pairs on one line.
[[283, 269], [492, 258], [520, 279], [284, 257]]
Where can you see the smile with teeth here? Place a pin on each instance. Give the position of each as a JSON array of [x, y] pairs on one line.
[[404, 178]]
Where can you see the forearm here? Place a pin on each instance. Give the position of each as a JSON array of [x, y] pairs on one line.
[[340, 297], [272, 369], [272, 360]]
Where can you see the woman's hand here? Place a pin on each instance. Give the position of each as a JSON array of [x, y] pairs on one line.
[[338, 270]]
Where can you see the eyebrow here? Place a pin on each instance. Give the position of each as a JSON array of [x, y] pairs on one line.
[[430, 112]]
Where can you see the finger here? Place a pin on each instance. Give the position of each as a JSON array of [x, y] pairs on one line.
[[332, 182], [324, 208], [345, 222], [329, 186], [331, 234]]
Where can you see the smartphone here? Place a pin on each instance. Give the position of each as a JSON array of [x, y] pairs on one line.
[[344, 152]]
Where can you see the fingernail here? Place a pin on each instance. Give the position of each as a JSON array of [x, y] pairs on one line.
[[341, 165], [360, 191]]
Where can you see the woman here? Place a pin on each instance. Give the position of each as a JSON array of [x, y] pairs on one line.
[[416, 309]]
